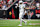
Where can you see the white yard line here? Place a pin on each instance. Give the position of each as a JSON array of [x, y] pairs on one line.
[[34, 23]]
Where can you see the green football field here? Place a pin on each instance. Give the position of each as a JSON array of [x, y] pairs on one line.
[[16, 22]]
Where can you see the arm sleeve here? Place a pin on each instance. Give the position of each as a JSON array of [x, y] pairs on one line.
[[24, 5]]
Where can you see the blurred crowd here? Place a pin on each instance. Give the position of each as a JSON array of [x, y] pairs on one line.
[[32, 4], [6, 3]]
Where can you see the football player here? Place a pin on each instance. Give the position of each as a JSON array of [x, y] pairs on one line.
[[21, 12]]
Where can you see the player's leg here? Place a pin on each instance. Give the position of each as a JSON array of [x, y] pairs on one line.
[[23, 19], [20, 17]]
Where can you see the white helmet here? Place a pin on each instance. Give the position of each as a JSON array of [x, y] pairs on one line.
[[20, 1]]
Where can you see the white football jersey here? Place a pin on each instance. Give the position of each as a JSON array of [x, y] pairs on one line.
[[21, 7]]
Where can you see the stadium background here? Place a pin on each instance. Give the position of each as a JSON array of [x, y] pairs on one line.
[[13, 13]]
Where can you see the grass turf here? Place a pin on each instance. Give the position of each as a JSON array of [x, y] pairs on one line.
[[15, 23]]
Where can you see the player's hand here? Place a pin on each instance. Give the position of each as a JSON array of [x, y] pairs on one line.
[[24, 8]]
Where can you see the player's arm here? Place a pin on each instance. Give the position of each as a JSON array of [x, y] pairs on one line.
[[24, 6]]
